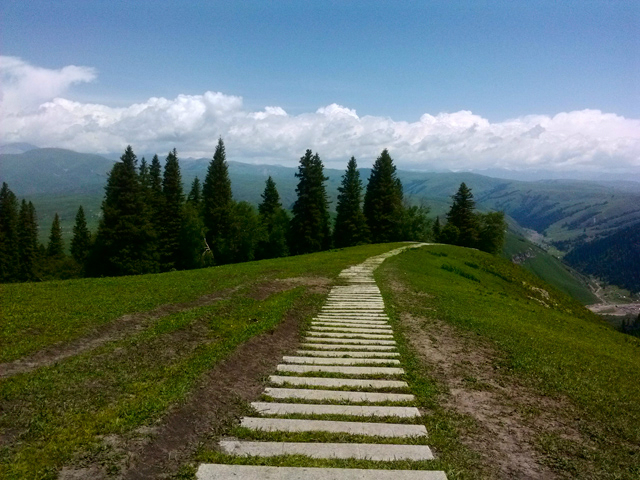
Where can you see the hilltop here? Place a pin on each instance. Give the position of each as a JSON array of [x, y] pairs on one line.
[[104, 375]]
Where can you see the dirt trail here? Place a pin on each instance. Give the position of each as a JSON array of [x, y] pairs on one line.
[[210, 409], [131, 323], [509, 416]]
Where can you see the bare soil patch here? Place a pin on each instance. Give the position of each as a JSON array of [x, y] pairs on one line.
[[509, 416]]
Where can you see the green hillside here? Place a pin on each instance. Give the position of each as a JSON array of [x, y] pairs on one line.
[[556, 356], [98, 363]]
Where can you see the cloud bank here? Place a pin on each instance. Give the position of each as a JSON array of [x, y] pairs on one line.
[[33, 110]]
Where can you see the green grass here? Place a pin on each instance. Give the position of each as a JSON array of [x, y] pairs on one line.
[[36, 315], [545, 339], [58, 414], [549, 268]]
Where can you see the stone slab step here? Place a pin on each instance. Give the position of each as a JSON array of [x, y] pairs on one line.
[[363, 451], [212, 471], [350, 341], [321, 328], [388, 430], [336, 382], [338, 395], [352, 316], [347, 322], [324, 346], [340, 361], [340, 369], [346, 354], [274, 408], [350, 335]]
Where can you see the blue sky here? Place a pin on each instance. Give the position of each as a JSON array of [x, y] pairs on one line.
[[394, 60]]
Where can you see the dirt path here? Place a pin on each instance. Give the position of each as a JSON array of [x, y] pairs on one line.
[[128, 324]]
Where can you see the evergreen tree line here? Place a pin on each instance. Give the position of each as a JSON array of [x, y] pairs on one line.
[[148, 225]]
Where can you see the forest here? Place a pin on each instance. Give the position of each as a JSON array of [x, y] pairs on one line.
[[149, 225]]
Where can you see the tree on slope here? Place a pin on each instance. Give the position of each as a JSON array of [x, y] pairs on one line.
[[9, 252], [28, 249], [218, 205], [462, 216], [172, 214], [81, 241], [351, 225], [125, 242], [310, 231], [55, 247], [383, 201], [274, 224]]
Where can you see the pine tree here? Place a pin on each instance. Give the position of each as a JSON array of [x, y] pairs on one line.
[[462, 216], [310, 231], [145, 176], [81, 241], [55, 247], [351, 225], [436, 230], [383, 201], [491, 232], [28, 250], [218, 205], [195, 194], [125, 242], [9, 252], [274, 222], [172, 213]]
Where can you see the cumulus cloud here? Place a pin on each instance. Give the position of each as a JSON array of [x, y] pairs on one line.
[[587, 140], [24, 86]]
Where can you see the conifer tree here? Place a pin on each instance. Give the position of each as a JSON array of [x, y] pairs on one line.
[[195, 194], [462, 216], [218, 205], [383, 201], [172, 213], [154, 197], [55, 247], [125, 239], [274, 222], [81, 241], [310, 231], [9, 255], [28, 250], [351, 226], [145, 176], [436, 229]]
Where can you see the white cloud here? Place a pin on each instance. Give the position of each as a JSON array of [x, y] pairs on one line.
[[589, 140], [23, 86]]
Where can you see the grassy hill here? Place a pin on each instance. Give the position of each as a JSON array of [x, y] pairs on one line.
[[93, 367]]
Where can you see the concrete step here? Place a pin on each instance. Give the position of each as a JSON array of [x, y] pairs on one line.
[[339, 361], [336, 382], [363, 451], [274, 408], [346, 354], [388, 430], [212, 471], [347, 322], [340, 369], [338, 329], [337, 395], [346, 346], [349, 341], [351, 335]]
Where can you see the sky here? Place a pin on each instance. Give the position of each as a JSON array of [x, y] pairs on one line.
[[444, 85]]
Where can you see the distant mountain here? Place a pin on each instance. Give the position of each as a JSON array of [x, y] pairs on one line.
[[16, 147], [568, 213], [615, 258]]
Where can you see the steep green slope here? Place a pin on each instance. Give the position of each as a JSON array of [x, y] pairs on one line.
[[544, 340], [551, 270]]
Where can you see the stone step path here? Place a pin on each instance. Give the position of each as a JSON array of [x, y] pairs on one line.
[[346, 374]]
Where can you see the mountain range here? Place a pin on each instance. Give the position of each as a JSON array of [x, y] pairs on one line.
[[557, 215]]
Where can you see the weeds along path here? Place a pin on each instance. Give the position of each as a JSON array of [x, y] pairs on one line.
[[340, 401]]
